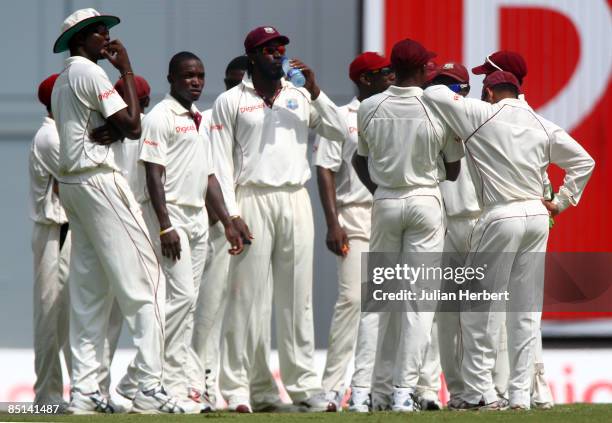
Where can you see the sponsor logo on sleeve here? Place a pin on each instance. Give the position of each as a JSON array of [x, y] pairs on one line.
[[106, 94], [151, 142], [216, 127]]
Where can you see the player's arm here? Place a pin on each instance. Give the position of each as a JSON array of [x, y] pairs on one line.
[[126, 121], [170, 240], [360, 163], [234, 234], [453, 150], [568, 154], [328, 160], [336, 239], [462, 115]]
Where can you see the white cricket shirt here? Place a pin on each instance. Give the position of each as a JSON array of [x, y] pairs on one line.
[[338, 158], [254, 144], [170, 139], [403, 140], [126, 157], [511, 147], [83, 97], [43, 163]]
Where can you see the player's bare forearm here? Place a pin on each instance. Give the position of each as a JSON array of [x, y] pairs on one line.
[[155, 186], [327, 193], [215, 201], [360, 163]]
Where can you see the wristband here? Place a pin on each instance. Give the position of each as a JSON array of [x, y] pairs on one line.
[[234, 217], [126, 74], [167, 230]]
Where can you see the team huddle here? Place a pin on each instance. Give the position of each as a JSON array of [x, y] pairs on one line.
[[190, 226]]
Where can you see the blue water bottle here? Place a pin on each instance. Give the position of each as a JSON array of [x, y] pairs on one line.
[[295, 76]]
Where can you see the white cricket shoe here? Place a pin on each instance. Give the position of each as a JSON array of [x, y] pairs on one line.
[[403, 400], [360, 400], [157, 401], [91, 403], [314, 404]]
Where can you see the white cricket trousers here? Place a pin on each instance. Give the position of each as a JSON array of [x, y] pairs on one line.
[[51, 306], [112, 256], [280, 219], [355, 220], [208, 323], [183, 278], [413, 224], [456, 245], [510, 240]]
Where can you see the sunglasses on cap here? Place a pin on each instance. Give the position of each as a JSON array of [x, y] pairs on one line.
[[281, 49], [383, 71], [458, 87], [489, 61]]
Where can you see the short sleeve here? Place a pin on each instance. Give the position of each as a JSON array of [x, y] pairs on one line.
[[101, 94], [154, 139], [453, 149], [328, 154]]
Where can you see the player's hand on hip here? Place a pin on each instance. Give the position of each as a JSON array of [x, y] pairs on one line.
[[311, 83], [552, 208], [337, 240], [105, 134], [171, 245], [117, 55]]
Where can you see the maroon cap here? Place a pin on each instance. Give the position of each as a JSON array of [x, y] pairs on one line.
[[262, 35], [408, 54], [45, 89], [456, 71], [503, 60], [142, 87], [500, 77], [365, 62]]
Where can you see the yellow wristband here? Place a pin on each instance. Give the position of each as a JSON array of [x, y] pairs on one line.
[[234, 217], [165, 231]]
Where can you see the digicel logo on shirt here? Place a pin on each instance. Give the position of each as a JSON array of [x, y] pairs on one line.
[[247, 109], [185, 129], [106, 94]]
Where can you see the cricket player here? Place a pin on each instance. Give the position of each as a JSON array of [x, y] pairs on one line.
[[347, 205], [541, 396], [511, 148], [126, 157], [113, 255], [260, 140], [179, 178], [211, 306], [400, 145], [462, 211], [51, 250]]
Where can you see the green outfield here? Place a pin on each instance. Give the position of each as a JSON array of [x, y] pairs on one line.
[[582, 413]]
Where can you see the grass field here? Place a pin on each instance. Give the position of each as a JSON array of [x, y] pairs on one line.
[[583, 413]]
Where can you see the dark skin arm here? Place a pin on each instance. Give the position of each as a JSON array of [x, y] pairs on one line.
[[125, 121], [336, 240], [360, 163], [170, 242], [235, 234], [452, 170]]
